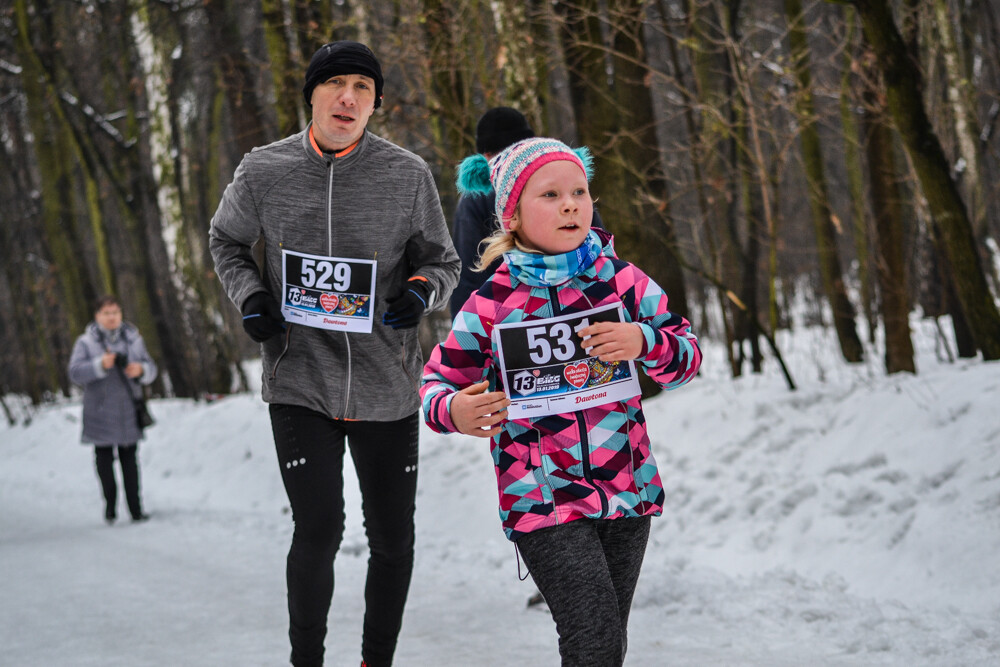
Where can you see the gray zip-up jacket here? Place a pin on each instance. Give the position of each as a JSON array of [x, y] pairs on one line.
[[377, 202], [108, 410]]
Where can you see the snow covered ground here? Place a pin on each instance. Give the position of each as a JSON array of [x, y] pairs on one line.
[[855, 521]]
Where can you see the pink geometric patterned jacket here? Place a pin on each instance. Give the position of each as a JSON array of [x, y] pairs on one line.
[[595, 463]]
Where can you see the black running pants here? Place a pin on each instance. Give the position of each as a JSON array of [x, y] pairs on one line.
[[310, 448]]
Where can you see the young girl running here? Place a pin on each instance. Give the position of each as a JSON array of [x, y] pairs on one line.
[[541, 359]]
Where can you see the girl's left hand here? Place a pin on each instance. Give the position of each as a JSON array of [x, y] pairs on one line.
[[613, 341]]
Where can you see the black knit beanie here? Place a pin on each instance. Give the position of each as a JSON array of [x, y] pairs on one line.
[[342, 58], [499, 128]]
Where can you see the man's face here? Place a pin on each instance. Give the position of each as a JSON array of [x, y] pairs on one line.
[[109, 317], [341, 107]]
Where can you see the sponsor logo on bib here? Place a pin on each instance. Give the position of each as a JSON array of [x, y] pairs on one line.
[[328, 301], [577, 374]]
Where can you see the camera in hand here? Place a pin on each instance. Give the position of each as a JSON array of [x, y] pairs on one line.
[[121, 360]]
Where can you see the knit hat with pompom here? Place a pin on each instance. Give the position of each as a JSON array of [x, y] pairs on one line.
[[509, 171]]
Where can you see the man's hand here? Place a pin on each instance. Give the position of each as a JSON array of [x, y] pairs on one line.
[[477, 412], [613, 341], [262, 318], [405, 310], [107, 360]]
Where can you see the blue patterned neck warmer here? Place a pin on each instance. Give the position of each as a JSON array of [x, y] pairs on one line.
[[540, 270]]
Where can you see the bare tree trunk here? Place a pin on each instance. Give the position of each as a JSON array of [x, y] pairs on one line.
[[29, 366], [286, 66], [448, 96], [942, 270], [917, 22], [184, 237], [715, 152], [753, 191], [891, 262], [855, 175], [56, 185], [961, 98], [812, 155], [247, 115], [516, 60], [903, 87], [748, 322]]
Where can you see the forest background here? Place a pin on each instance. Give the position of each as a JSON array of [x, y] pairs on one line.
[[747, 153]]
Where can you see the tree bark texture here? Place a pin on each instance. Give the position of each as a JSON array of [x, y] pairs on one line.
[[831, 271], [889, 239], [716, 154], [902, 80], [855, 174]]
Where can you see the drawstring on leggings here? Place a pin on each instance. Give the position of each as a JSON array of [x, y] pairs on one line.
[[517, 554]]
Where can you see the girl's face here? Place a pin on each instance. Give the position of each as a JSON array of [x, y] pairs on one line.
[[555, 210]]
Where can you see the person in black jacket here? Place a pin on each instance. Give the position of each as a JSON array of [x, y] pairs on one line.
[[474, 220]]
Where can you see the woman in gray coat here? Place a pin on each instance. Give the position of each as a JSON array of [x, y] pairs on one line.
[[111, 363]]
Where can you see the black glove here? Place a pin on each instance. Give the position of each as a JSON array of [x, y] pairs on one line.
[[262, 318], [405, 310]]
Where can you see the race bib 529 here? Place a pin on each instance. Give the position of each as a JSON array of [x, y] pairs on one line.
[[335, 293]]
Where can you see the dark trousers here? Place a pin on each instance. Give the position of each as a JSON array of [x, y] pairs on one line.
[[310, 449], [104, 457], [587, 572]]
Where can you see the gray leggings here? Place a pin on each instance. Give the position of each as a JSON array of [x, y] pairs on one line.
[[587, 572]]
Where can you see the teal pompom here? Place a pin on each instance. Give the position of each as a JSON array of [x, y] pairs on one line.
[[474, 176], [588, 160]]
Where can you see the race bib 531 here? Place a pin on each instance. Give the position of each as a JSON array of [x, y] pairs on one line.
[[546, 369]]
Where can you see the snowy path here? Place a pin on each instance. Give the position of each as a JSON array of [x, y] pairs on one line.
[[179, 590], [206, 588], [852, 523]]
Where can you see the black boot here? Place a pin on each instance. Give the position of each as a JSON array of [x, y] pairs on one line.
[[105, 458], [130, 480]]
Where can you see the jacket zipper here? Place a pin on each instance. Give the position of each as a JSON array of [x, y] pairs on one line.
[[588, 473], [581, 424], [329, 253], [347, 394], [628, 429], [541, 466], [329, 208]]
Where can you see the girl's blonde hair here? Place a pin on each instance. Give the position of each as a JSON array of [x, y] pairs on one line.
[[497, 244]]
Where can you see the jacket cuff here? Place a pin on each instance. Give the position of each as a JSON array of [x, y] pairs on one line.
[[652, 340], [99, 369], [444, 414], [429, 293]]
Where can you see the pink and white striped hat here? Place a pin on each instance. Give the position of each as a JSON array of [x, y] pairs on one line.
[[509, 170]]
